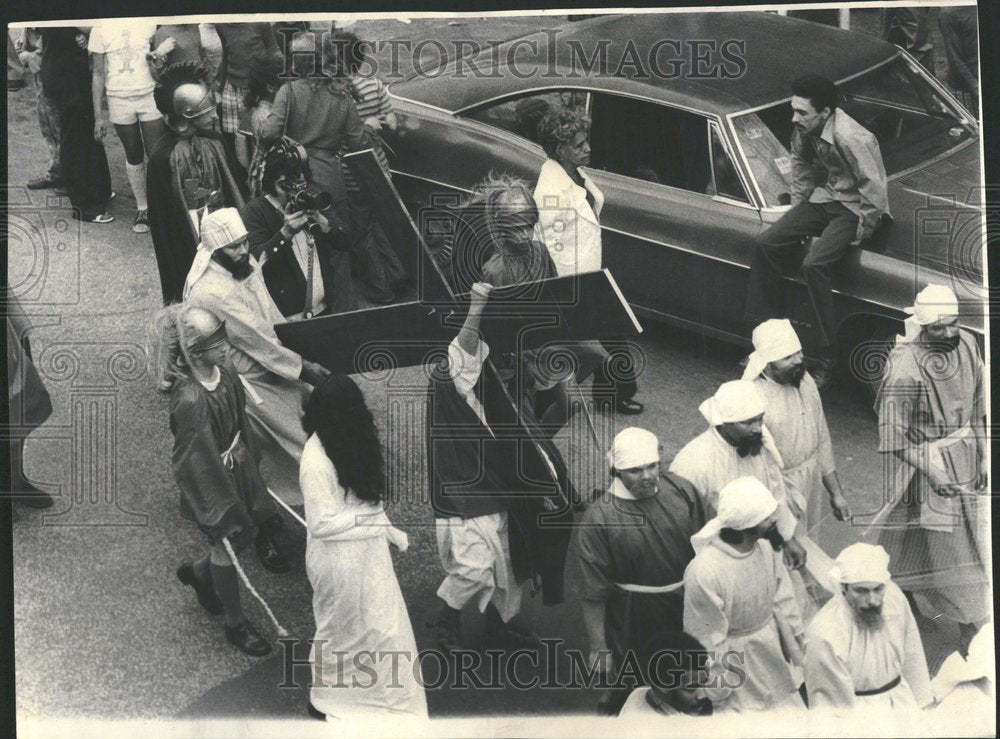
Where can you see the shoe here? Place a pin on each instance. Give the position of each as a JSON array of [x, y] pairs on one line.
[[141, 225], [205, 592], [629, 407], [315, 712], [99, 218], [269, 554], [44, 183], [33, 498], [60, 190], [245, 638]]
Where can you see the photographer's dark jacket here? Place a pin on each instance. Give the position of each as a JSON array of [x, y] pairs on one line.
[[285, 280]]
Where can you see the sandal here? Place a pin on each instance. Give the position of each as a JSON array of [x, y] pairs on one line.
[[629, 407], [102, 218]]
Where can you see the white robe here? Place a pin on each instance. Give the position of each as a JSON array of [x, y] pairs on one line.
[[796, 420], [741, 608], [843, 656], [357, 603], [276, 396]]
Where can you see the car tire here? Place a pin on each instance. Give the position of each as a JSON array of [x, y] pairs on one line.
[[868, 353]]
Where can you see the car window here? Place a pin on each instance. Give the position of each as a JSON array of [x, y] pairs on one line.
[[725, 179], [659, 144], [521, 115], [911, 120]]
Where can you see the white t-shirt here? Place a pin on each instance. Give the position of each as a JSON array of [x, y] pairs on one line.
[[124, 45]]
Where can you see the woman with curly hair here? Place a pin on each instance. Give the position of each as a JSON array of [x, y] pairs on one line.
[[215, 460], [569, 206], [361, 618]]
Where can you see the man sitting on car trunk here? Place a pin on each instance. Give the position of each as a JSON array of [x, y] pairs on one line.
[[839, 196]]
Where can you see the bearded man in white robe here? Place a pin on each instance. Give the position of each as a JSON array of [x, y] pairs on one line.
[[738, 444], [931, 410], [739, 603], [863, 649], [226, 280], [795, 418]]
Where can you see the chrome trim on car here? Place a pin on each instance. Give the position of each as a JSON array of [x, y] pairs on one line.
[[428, 179], [584, 88], [421, 103]]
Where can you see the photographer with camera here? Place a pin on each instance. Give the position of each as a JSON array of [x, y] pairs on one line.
[[300, 244]]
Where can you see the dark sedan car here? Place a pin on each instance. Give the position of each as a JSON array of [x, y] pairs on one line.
[[691, 124]]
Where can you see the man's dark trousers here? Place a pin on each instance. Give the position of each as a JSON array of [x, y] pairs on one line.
[[778, 251]]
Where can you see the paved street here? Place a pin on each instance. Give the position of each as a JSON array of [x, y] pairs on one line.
[[104, 629]]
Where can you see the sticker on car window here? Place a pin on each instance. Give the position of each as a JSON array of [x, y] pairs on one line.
[[753, 133], [784, 165]]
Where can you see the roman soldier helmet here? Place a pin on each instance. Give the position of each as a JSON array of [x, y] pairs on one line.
[[183, 92]]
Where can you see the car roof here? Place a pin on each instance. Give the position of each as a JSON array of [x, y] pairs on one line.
[[775, 48]]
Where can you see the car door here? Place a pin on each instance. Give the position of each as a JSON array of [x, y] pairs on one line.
[[676, 211]]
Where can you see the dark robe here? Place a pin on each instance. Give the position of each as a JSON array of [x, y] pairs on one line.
[[639, 542], [174, 160], [204, 424], [474, 474]]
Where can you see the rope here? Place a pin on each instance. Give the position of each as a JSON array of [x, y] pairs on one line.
[[282, 631], [287, 507]]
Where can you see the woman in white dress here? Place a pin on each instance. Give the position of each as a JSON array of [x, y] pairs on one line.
[[364, 657]]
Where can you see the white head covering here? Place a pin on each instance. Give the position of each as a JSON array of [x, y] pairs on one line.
[[743, 503], [861, 563], [734, 401], [633, 447], [772, 340], [218, 229], [933, 303]]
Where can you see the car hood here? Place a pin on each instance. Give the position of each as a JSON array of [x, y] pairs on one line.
[[937, 213]]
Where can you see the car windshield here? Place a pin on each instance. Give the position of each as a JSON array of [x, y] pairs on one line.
[[912, 122]]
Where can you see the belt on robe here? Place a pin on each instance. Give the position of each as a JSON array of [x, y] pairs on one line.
[[884, 689], [227, 455], [809, 460], [654, 589], [752, 629]]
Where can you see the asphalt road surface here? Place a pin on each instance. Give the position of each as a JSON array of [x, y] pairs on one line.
[[103, 628]]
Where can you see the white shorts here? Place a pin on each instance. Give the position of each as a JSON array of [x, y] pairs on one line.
[[126, 109]]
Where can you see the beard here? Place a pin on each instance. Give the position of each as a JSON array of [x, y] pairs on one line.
[[793, 375], [946, 346], [869, 618], [240, 269], [774, 538], [750, 445]]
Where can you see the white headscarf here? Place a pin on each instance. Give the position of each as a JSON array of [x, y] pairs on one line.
[[633, 447], [218, 229], [861, 563], [734, 401], [743, 503], [772, 340], [933, 303]]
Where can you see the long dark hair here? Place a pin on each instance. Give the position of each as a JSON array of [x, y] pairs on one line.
[[337, 414]]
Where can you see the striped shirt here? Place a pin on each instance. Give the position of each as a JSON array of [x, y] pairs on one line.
[[371, 98]]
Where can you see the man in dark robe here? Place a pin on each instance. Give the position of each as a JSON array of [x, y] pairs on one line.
[[500, 519], [215, 462], [633, 547], [188, 173]]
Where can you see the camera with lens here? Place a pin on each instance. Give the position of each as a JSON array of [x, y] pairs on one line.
[[303, 197]]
